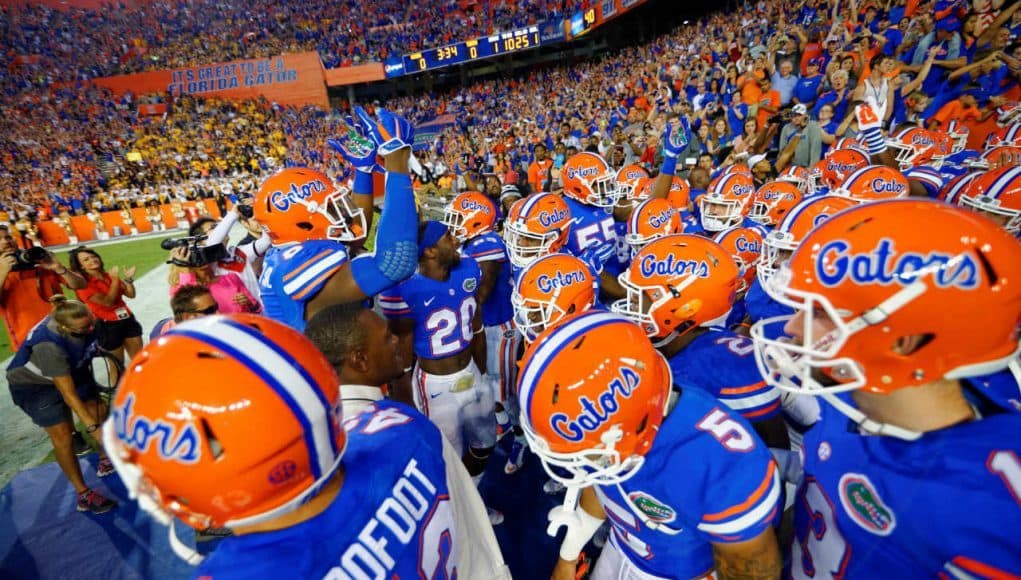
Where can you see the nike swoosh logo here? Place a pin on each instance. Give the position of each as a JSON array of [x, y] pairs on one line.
[[429, 301]]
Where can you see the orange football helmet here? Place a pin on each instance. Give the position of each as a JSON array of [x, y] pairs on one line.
[[678, 283], [832, 170], [592, 412], [778, 244], [800, 177], [629, 181], [470, 215], [651, 220], [589, 179], [745, 246], [189, 444], [549, 290], [536, 226], [893, 295], [679, 195], [958, 133], [957, 186], [996, 194], [1008, 135], [914, 146], [874, 183], [299, 204], [726, 203], [847, 143], [772, 201], [999, 156]]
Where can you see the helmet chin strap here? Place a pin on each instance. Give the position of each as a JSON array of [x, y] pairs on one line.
[[189, 555], [868, 425]]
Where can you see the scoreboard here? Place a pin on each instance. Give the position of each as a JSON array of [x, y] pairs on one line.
[[473, 49]]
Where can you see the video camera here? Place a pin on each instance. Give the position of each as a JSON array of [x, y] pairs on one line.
[[198, 254], [28, 259]]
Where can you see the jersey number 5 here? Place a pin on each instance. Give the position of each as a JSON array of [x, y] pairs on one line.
[[730, 433]]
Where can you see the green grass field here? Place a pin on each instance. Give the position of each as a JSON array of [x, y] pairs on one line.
[[144, 254]]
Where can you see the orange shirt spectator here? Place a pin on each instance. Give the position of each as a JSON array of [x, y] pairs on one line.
[[112, 313], [751, 94], [963, 110], [25, 294], [538, 171], [769, 103]]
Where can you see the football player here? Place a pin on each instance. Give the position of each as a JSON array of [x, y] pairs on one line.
[[920, 484], [269, 454], [471, 218], [681, 290], [309, 219], [436, 316], [591, 193], [686, 485]]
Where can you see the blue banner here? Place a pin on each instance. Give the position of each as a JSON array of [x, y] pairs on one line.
[[551, 31], [393, 67]]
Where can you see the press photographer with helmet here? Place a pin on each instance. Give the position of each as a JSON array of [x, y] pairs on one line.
[[28, 279]]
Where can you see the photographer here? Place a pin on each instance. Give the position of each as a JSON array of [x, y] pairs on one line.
[[51, 376], [28, 280], [227, 288], [245, 259], [104, 294], [803, 136]]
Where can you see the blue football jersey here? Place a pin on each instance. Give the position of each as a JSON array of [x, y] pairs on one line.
[[720, 362], [1002, 389], [442, 310], [392, 517], [292, 275], [621, 257], [489, 247], [760, 305], [707, 479], [945, 505], [590, 226]]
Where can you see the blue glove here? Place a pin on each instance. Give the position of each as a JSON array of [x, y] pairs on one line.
[[596, 257], [389, 131], [676, 138], [357, 150]]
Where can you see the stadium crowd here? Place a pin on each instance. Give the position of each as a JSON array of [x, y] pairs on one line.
[[728, 75], [43, 45]]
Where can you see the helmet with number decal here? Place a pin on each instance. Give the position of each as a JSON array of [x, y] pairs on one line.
[[589, 179], [678, 283], [470, 215], [536, 226], [745, 246], [593, 393], [832, 170], [778, 244], [726, 203], [549, 290], [864, 286], [200, 451], [299, 204], [630, 178], [996, 194], [874, 183], [772, 201], [651, 220]]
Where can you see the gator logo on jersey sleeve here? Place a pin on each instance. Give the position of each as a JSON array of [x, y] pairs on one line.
[[470, 284], [862, 503], [652, 507]]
